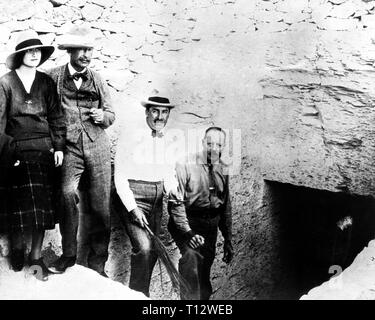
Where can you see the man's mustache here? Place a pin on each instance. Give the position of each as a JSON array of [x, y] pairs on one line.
[[214, 153]]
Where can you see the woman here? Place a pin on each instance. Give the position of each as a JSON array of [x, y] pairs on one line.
[[30, 113]]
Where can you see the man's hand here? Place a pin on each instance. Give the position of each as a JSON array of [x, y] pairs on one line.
[[228, 251], [196, 241], [59, 157], [139, 217], [97, 115]]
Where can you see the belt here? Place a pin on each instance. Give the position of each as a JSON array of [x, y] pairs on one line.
[[145, 182], [35, 144], [204, 213]]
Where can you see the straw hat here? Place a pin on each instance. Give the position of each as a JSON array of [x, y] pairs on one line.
[[77, 37], [157, 101], [28, 40]]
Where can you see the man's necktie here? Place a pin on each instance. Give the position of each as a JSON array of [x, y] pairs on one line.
[[157, 134], [78, 75], [211, 183]]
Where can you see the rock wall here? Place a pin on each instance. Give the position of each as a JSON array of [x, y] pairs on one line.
[[293, 77]]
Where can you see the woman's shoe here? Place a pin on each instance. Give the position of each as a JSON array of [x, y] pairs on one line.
[[38, 269], [17, 259]]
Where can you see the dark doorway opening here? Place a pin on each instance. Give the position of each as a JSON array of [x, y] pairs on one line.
[[318, 229]]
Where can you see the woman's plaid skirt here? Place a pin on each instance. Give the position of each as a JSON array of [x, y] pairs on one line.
[[31, 197]]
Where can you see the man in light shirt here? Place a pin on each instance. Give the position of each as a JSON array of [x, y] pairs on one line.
[[144, 172], [85, 98], [204, 183]]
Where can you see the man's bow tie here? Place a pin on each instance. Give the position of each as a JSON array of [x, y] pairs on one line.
[[78, 75], [157, 134]]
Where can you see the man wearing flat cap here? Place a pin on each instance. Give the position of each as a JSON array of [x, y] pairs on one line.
[[85, 98], [144, 173]]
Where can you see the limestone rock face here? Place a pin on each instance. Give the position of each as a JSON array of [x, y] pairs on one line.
[[20, 10], [92, 12], [104, 3], [318, 100], [65, 13], [57, 3], [118, 80], [42, 26], [4, 34]]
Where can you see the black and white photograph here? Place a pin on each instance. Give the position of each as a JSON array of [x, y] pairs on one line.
[[202, 151]]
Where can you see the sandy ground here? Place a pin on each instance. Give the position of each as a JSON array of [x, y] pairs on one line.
[[77, 283]]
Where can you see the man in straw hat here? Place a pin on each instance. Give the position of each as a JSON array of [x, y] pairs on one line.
[[85, 98], [144, 172]]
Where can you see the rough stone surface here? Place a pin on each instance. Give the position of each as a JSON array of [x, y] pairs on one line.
[[323, 91], [92, 12], [4, 34], [57, 3], [42, 26]]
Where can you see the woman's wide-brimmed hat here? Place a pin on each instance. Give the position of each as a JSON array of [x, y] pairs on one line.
[[158, 102], [27, 40], [77, 37]]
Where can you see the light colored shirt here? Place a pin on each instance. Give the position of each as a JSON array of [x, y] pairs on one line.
[[73, 71], [140, 156], [205, 187]]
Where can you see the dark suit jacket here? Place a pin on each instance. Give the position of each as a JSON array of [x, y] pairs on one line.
[[93, 94]]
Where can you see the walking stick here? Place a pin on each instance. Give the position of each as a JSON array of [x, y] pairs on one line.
[[178, 282]]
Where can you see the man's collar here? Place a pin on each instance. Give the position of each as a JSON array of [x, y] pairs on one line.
[[201, 158], [73, 71], [159, 134]]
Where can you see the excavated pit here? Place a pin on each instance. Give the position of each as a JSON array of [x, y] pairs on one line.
[[320, 234]]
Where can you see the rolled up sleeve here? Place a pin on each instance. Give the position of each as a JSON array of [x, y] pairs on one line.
[[120, 176], [176, 208]]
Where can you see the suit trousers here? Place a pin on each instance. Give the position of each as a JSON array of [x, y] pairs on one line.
[[195, 264], [91, 158], [149, 199]]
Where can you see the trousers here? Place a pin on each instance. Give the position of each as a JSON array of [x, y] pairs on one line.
[[149, 199], [91, 158], [195, 264]]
